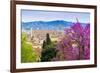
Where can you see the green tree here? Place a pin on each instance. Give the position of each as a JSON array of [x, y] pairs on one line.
[[48, 40], [48, 54], [49, 51], [44, 44], [27, 52]]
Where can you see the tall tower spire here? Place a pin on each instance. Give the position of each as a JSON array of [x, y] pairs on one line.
[[77, 20], [31, 32]]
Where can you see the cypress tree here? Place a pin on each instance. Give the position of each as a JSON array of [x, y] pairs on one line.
[[48, 40], [44, 44]]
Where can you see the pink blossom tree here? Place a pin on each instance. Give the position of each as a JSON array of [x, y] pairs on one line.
[[75, 45]]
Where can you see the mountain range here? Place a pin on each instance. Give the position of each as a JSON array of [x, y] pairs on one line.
[[47, 25]]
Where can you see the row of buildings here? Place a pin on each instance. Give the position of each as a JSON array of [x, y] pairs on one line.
[[38, 36]]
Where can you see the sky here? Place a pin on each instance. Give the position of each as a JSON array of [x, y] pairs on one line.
[[40, 15]]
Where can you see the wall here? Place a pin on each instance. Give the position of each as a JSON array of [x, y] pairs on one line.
[[5, 36]]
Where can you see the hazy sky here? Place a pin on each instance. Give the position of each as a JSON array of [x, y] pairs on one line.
[[37, 15]]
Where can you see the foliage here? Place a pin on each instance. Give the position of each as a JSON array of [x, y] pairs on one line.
[[49, 51], [48, 54], [75, 45], [44, 45], [27, 52], [48, 40]]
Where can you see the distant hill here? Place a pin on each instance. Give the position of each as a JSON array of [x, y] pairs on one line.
[[46, 25]]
